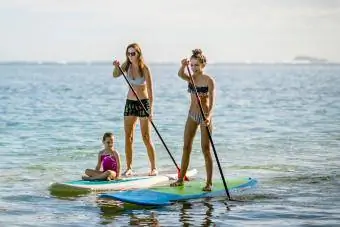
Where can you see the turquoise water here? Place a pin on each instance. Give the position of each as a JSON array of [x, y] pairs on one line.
[[279, 124]]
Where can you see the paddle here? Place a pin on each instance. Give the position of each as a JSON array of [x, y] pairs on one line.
[[209, 134], [153, 125]]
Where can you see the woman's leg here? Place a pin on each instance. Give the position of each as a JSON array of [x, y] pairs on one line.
[[189, 134], [206, 148], [107, 175], [146, 135], [92, 172], [129, 127]]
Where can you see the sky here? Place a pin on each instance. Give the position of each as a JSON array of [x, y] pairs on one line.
[[167, 31]]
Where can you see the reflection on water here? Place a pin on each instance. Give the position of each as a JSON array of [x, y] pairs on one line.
[[144, 220], [198, 213], [111, 211], [207, 220], [184, 214]]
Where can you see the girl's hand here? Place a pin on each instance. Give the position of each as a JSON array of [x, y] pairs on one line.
[[116, 63], [151, 114], [185, 62], [207, 120]]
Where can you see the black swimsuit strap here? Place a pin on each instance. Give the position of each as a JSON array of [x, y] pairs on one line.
[[202, 89]]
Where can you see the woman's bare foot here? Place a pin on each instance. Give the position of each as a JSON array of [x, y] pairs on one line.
[[84, 177], [207, 188], [177, 183], [128, 173], [154, 172]]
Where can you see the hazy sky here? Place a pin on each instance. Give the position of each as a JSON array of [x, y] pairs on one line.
[[226, 30]]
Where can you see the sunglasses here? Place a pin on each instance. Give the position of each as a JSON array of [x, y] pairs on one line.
[[192, 65], [131, 54]]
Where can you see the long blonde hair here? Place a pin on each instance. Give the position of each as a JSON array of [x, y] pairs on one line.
[[127, 63]]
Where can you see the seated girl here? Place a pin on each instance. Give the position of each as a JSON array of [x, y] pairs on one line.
[[108, 165]]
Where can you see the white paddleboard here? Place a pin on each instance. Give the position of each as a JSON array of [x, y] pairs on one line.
[[127, 183]]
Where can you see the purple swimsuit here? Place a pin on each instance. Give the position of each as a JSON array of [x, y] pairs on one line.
[[109, 162]]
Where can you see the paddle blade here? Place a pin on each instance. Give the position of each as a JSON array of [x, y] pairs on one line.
[[179, 175]]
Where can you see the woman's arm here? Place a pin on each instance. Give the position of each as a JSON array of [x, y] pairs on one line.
[[149, 85], [116, 71], [211, 88], [118, 164], [99, 162], [181, 71]]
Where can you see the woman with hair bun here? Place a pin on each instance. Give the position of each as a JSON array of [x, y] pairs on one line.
[[205, 87]]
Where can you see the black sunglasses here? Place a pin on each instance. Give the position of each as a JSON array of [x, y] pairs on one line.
[[131, 53]]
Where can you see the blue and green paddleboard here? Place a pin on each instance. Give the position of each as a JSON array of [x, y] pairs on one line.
[[165, 195]]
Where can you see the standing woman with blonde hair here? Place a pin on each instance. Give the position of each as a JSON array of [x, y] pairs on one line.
[[139, 76]]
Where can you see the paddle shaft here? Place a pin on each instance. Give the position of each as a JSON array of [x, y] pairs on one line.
[[148, 115], [209, 134]]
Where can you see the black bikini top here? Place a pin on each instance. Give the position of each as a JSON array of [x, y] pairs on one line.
[[202, 91]]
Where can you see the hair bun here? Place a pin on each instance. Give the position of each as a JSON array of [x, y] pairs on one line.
[[197, 52]]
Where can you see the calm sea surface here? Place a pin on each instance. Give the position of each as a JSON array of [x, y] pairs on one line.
[[279, 124]]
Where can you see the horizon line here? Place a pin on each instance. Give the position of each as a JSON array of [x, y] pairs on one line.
[[64, 62]]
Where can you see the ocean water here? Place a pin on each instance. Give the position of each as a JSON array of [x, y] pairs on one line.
[[278, 123]]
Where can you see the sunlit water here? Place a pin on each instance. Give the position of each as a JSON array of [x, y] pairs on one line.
[[277, 123]]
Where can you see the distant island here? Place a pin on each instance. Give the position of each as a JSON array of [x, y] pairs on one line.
[[309, 60]]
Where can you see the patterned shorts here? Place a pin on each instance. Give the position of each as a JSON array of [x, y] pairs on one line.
[[134, 108]]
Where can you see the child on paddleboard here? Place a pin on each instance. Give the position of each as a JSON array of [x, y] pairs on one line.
[[108, 165]]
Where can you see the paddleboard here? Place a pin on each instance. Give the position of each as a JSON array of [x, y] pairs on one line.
[[127, 183], [166, 195]]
